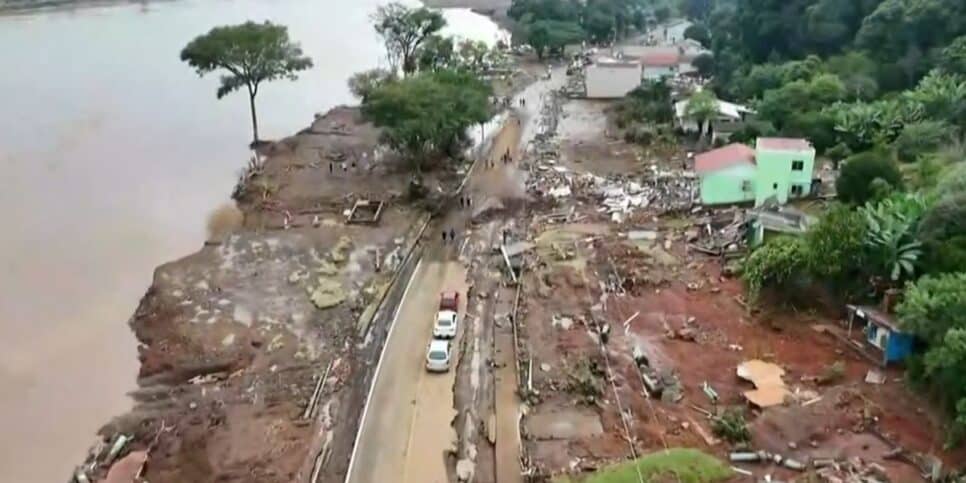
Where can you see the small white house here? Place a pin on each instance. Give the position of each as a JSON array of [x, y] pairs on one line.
[[610, 78], [730, 118]]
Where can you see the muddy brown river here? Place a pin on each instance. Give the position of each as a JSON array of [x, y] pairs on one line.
[[112, 154]]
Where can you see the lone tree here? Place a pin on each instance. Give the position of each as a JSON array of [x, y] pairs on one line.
[[250, 53], [403, 30]]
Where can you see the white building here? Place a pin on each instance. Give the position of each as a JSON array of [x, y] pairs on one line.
[[730, 118], [610, 78], [673, 31]]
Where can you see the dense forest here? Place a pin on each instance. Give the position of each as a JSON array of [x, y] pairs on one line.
[[879, 87]]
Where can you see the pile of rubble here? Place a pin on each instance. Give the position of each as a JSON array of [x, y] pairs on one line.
[[617, 196], [721, 233], [852, 470]]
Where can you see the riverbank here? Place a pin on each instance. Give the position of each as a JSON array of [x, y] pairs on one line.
[[256, 351], [261, 340], [107, 182]]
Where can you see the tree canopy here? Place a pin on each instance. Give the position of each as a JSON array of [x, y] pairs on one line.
[[873, 82], [403, 30], [549, 25], [427, 114], [248, 54], [361, 84], [856, 181], [934, 309], [699, 33]]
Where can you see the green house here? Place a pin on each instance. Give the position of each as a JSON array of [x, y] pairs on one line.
[[777, 167]]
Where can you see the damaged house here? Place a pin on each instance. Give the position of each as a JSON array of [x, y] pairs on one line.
[[881, 330], [661, 62], [730, 118], [779, 168]]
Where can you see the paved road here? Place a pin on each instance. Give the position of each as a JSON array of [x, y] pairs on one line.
[[406, 429]]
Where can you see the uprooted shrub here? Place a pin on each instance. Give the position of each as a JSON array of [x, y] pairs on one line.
[[731, 426], [775, 264], [585, 380]]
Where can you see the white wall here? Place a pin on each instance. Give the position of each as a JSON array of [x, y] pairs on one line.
[[605, 82]]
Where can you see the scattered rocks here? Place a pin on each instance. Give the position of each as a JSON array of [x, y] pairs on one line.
[[327, 293]]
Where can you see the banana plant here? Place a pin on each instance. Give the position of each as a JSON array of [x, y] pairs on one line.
[[890, 236]]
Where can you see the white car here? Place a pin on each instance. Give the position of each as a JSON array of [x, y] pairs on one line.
[[445, 326], [437, 357]]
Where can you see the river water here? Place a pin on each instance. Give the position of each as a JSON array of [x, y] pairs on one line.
[[112, 153]]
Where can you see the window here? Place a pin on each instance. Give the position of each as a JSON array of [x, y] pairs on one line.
[[798, 165], [774, 186], [746, 185], [797, 190]]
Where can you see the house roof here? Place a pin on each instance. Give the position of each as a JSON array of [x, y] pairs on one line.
[[783, 144], [725, 108], [609, 62], [876, 316], [661, 58], [717, 159], [650, 55]]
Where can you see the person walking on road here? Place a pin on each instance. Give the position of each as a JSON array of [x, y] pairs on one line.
[[452, 235]]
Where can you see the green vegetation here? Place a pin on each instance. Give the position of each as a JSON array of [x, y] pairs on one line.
[[645, 114], [549, 25], [850, 76], [890, 235], [866, 175], [361, 84], [650, 102], [676, 464], [247, 54], [732, 426], [702, 108], [776, 264], [404, 30], [427, 114], [934, 309]]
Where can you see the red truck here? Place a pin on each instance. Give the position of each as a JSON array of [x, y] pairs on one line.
[[449, 301]]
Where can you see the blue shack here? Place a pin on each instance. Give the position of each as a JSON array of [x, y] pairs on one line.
[[882, 332]]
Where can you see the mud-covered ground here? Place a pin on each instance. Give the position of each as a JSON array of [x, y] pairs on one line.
[[670, 312]]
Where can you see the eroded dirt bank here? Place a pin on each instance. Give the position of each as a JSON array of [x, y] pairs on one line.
[[255, 351]]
